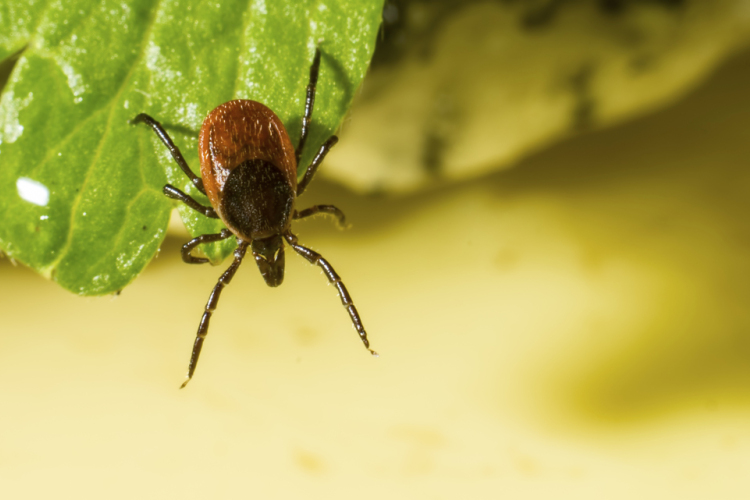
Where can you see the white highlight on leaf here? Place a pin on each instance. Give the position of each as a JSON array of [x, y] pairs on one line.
[[75, 81], [161, 68], [70, 55], [154, 59], [260, 5], [10, 108], [188, 115], [125, 260], [32, 191]]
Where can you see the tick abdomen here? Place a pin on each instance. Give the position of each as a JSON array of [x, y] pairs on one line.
[[257, 200], [239, 131]]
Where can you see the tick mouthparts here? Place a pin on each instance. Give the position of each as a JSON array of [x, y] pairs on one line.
[[185, 383], [371, 352]]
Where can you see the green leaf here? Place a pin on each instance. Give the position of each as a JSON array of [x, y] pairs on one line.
[[80, 187]]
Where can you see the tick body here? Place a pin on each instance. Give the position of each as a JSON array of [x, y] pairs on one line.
[[249, 174]]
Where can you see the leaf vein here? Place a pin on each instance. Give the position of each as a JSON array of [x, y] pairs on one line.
[[118, 236], [38, 23], [243, 25], [68, 242]]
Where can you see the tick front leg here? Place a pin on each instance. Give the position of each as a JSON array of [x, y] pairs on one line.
[[309, 102], [213, 300], [172, 192], [322, 209], [176, 154], [205, 238], [310, 172], [346, 300]]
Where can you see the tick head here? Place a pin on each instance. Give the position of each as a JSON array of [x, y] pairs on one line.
[[269, 255]]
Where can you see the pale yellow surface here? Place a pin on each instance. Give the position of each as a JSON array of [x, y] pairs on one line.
[[577, 327]]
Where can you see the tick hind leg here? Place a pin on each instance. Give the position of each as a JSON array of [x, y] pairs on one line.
[[176, 154], [310, 172], [346, 300], [172, 192], [322, 209], [187, 248], [213, 300], [306, 119]]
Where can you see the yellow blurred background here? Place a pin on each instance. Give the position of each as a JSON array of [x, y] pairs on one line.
[[576, 327]]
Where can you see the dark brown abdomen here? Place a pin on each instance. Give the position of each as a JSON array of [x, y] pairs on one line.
[[257, 201]]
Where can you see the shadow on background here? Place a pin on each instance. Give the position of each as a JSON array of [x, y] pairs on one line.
[[669, 193]]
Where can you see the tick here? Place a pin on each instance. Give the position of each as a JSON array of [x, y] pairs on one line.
[[249, 174]]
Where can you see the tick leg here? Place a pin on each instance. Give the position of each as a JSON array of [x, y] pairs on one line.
[[324, 209], [310, 172], [205, 238], [309, 102], [213, 300], [144, 118], [176, 194], [346, 299]]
